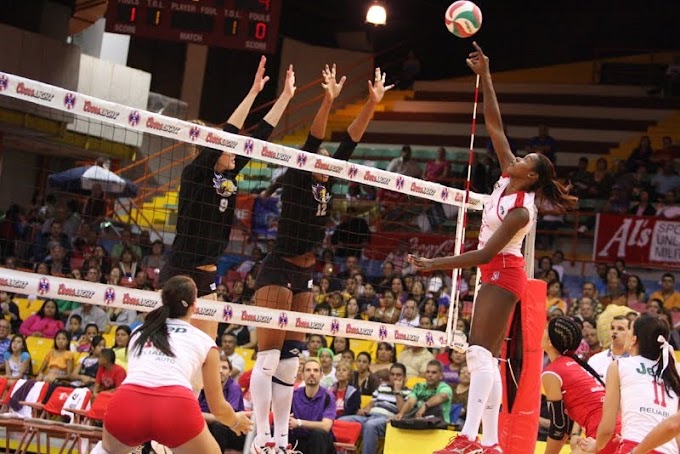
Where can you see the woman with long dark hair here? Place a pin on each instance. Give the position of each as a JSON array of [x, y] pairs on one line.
[[169, 361], [643, 388], [573, 389], [508, 217]]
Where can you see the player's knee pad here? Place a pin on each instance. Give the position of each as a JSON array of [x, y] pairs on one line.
[[99, 449], [268, 361], [287, 371], [479, 359]]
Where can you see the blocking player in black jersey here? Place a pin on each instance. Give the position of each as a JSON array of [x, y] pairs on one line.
[[207, 194], [285, 277]]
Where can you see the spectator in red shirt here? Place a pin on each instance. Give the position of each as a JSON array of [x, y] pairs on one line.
[[110, 375]]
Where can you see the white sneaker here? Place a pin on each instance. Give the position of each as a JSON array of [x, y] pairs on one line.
[[268, 448]]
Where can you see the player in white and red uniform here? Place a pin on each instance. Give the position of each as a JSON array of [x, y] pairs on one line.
[[508, 216], [642, 388], [169, 361], [574, 390]]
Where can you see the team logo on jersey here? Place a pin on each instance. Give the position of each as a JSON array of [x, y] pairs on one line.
[[283, 320], [301, 159], [495, 275], [248, 146], [43, 285], [109, 295], [400, 182], [227, 313], [4, 82], [70, 101], [445, 194], [134, 118], [224, 186], [321, 195], [335, 326], [352, 171], [194, 132], [429, 339], [382, 332]]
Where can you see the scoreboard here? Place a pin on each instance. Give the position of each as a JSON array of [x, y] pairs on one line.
[[235, 24]]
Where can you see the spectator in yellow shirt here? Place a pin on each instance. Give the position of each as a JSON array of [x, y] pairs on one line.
[[668, 294]]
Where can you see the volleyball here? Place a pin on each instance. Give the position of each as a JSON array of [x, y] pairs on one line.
[[463, 18]]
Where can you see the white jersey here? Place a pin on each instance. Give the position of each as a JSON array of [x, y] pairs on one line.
[[600, 362], [644, 401], [151, 368], [497, 206]]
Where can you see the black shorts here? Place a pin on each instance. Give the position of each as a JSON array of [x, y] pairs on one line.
[[205, 280], [277, 271]]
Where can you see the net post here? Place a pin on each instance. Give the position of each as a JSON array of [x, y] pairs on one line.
[[530, 251]]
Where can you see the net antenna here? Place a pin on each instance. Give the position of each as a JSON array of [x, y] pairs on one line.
[[457, 339]]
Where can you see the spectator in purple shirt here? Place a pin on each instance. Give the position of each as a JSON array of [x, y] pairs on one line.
[[313, 414], [225, 437]]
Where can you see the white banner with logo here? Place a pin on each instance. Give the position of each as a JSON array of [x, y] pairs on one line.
[[145, 301], [141, 120]]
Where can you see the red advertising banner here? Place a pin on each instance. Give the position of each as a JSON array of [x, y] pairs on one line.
[[638, 240], [422, 244]]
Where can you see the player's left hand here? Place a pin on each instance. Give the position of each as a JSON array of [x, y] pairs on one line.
[[377, 88], [330, 84], [586, 444], [260, 79], [421, 263]]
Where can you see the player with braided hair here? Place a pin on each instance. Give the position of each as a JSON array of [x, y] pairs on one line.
[[643, 389], [574, 391]]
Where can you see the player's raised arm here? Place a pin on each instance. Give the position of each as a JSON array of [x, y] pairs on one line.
[[332, 89], [479, 63], [376, 91], [238, 117]]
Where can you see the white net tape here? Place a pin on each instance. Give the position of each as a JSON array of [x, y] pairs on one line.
[[138, 120]]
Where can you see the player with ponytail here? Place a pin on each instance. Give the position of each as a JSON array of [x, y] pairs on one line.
[[575, 392], [642, 388], [509, 215]]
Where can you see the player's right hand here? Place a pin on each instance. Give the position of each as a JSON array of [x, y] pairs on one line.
[[260, 79], [477, 61], [332, 87], [243, 425], [421, 263]]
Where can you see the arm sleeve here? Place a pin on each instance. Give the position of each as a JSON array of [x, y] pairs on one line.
[[312, 144], [346, 148], [263, 130], [559, 421]]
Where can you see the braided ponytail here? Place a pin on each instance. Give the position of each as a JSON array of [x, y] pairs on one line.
[[566, 336]]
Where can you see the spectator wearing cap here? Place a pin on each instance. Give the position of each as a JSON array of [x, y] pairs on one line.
[[313, 412]]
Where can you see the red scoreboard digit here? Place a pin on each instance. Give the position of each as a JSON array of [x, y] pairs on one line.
[[236, 24]]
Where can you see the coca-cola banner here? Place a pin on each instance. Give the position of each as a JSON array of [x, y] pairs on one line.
[[638, 240], [422, 244]]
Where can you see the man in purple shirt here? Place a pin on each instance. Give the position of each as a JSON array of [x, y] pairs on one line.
[[313, 414], [232, 394]]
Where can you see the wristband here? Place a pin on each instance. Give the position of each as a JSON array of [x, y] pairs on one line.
[[299, 422]]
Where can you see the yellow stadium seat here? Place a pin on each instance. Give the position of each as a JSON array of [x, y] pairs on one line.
[[400, 348], [363, 345], [110, 339], [365, 400], [38, 347], [27, 307], [677, 356], [411, 382]]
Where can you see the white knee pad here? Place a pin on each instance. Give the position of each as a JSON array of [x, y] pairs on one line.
[[268, 361], [286, 372], [479, 359], [99, 449]]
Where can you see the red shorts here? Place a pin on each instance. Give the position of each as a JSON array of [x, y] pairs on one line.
[[169, 415], [507, 272], [626, 446]]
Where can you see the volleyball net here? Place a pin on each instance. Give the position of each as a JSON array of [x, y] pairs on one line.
[[63, 130]]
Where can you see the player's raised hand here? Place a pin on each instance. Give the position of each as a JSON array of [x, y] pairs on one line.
[[377, 88], [330, 84], [477, 61], [421, 263], [260, 79], [289, 84]]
